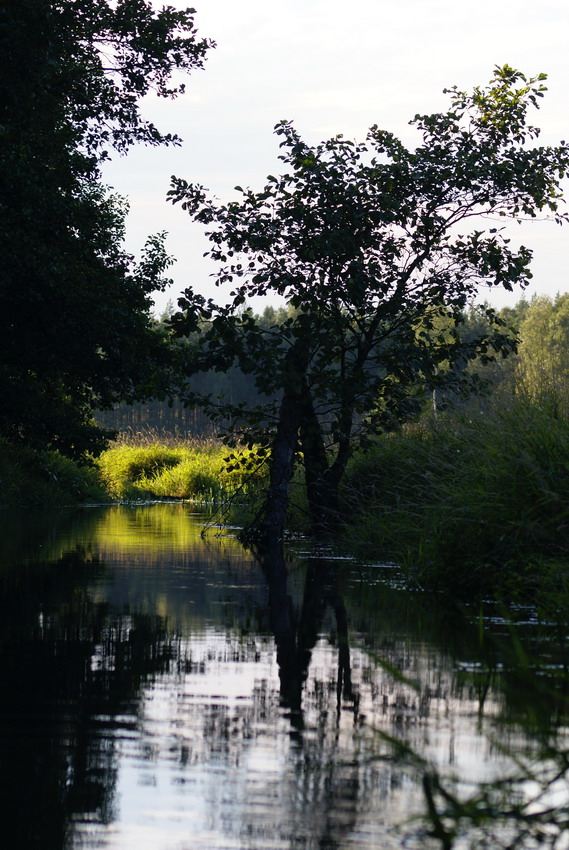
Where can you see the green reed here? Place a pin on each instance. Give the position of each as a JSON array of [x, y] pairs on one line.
[[142, 468], [473, 503]]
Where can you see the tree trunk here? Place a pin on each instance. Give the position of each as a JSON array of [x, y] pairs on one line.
[[299, 426], [321, 493], [269, 526], [281, 469]]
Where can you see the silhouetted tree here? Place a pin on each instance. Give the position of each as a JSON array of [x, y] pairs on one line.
[[369, 243]]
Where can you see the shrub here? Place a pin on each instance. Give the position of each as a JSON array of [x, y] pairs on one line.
[[28, 477]]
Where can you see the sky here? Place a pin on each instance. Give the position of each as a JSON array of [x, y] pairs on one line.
[[335, 67]]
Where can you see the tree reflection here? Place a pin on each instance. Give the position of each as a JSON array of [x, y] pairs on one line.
[[69, 665], [296, 633], [330, 792]]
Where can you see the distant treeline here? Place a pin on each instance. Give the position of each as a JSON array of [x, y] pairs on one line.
[[158, 416], [171, 416], [539, 369]]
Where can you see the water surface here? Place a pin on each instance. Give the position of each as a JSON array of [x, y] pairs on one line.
[[164, 690]]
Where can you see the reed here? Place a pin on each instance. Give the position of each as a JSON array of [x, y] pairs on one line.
[[478, 502], [147, 436]]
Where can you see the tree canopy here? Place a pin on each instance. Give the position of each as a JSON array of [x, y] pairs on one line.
[[543, 363], [370, 243], [76, 332]]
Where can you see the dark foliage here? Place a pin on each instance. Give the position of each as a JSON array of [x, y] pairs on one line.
[[75, 326]]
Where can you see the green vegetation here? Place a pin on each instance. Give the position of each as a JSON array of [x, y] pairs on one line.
[[138, 467], [197, 470], [472, 498], [473, 502], [543, 363], [28, 477]]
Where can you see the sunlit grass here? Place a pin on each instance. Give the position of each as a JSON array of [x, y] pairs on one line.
[[134, 469]]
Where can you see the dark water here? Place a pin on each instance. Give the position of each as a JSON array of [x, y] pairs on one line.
[[160, 690]]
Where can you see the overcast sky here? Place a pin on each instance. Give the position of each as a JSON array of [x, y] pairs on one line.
[[333, 68]]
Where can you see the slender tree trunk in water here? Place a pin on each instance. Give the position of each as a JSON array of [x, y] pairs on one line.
[[269, 527], [281, 469], [298, 423], [322, 477], [322, 500]]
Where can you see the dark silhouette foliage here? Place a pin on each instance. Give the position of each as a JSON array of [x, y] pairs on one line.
[[76, 332]]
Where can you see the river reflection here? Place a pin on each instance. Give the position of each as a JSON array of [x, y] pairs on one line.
[[161, 690]]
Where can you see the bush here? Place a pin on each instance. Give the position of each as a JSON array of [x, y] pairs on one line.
[[28, 477]]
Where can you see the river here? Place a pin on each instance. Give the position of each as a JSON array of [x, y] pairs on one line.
[[163, 689]]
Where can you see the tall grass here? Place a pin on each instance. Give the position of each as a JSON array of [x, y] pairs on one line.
[[473, 503], [138, 466], [148, 436], [143, 468]]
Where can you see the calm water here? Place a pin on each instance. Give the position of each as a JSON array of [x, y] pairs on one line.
[[160, 690]]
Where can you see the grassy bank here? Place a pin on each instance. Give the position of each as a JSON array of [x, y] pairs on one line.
[[151, 468], [45, 478], [473, 504], [476, 503], [137, 467]]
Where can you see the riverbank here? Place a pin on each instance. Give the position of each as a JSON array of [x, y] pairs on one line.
[[135, 468], [139, 468], [472, 504], [29, 478]]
